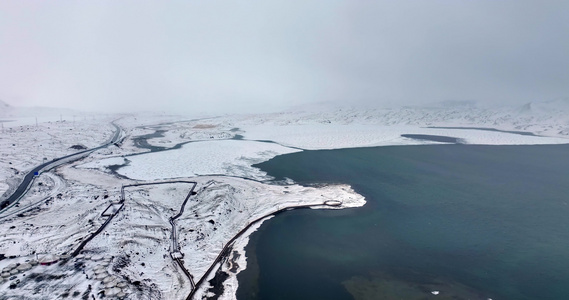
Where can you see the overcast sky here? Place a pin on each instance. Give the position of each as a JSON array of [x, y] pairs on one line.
[[237, 56]]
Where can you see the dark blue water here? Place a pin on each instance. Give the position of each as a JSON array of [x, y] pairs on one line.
[[473, 222]]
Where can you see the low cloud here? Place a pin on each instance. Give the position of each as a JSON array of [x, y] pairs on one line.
[[269, 55]]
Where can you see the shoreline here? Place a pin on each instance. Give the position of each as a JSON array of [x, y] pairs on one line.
[[229, 285], [244, 234], [208, 154]]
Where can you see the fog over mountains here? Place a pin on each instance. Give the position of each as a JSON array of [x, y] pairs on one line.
[[10, 111], [224, 57]]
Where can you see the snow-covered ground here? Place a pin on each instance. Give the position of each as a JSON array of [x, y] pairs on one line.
[[356, 127], [334, 136], [131, 257], [24, 147]]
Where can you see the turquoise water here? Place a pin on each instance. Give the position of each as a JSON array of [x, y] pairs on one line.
[[472, 222]]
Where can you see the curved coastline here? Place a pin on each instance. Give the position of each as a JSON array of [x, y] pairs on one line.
[[536, 178], [242, 235]]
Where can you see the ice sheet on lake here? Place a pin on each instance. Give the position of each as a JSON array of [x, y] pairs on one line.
[[228, 157]]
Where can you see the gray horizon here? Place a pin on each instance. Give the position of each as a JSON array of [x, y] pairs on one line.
[[268, 56]]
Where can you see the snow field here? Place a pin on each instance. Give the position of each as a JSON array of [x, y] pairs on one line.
[[140, 237], [24, 147], [335, 136]]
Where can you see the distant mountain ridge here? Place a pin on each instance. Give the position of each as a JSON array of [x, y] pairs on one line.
[[4, 105], [9, 111], [550, 118]]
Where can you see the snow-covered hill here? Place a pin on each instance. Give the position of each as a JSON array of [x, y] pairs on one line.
[[544, 118], [10, 111]]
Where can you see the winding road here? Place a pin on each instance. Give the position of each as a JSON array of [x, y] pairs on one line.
[[29, 177], [175, 247]]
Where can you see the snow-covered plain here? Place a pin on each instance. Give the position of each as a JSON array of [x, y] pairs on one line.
[[131, 257], [334, 136], [24, 147]]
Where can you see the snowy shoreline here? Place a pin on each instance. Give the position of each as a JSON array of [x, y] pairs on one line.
[[239, 241], [64, 205], [243, 153]]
